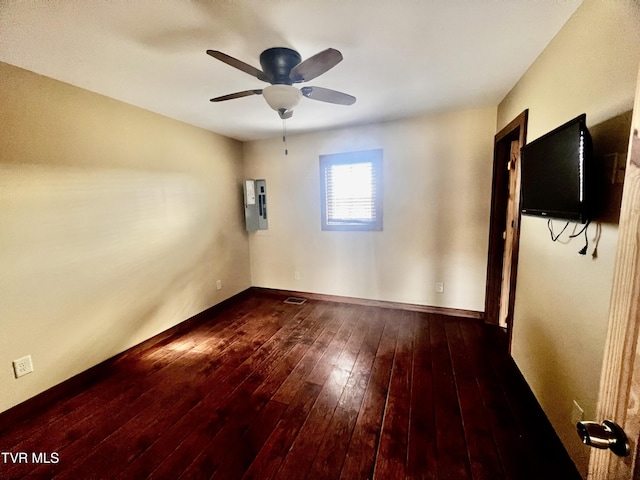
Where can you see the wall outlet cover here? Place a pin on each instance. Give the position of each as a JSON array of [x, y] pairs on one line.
[[22, 366]]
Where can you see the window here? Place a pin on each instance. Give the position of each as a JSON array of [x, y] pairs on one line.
[[351, 186]]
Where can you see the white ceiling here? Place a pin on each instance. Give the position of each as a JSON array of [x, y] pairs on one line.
[[401, 57]]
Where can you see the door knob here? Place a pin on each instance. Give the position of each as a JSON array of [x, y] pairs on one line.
[[604, 435]]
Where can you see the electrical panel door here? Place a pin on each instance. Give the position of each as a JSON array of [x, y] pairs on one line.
[[255, 205]]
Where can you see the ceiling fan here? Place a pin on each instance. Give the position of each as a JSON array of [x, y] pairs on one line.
[[282, 67]]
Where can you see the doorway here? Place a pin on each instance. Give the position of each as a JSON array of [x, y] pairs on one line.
[[504, 224]]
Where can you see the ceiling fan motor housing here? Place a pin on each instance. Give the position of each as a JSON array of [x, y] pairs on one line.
[[277, 64], [282, 67]]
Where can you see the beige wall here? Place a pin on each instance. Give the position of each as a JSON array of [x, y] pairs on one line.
[[115, 225], [562, 298], [437, 187]]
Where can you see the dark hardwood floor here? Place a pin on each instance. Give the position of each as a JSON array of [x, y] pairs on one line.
[[261, 389]]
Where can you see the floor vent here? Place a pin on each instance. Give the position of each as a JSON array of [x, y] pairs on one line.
[[295, 300]]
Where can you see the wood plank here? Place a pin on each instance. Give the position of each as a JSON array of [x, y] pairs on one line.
[[142, 394], [111, 456], [620, 379], [356, 385], [330, 456], [323, 390], [482, 451], [150, 356], [326, 364], [219, 389], [260, 382], [422, 453], [303, 451], [214, 452], [67, 391], [392, 449], [511, 448], [453, 462], [271, 455], [331, 324], [313, 443], [360, 458], [242, 454]]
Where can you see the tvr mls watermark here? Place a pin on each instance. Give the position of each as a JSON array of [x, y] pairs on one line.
[[30, 457]]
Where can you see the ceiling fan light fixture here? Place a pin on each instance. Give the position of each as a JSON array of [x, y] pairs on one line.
[[281, 97]]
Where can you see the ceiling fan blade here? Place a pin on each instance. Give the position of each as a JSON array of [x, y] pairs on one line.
[[231, 96], [328, 95], [315, 65], [240, 65]]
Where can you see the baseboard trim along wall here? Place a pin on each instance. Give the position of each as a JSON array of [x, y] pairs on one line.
[[453, 312]]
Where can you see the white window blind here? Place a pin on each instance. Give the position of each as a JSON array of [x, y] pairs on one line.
[[351, 191]]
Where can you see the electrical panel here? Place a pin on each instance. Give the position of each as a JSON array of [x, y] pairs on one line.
[[255, 205]]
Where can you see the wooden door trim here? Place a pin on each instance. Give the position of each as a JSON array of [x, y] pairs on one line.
[[515, 130], [620, 379]]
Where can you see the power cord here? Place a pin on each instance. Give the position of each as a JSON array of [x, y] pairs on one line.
[[550, 227], [583, 250]]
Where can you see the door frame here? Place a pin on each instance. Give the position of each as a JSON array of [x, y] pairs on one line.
[[620, 379], [515, 130]]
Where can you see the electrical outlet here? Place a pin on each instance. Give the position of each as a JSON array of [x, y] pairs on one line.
[[296, 275], [577, 413], [439, 287], [218, 284], [22, 366]]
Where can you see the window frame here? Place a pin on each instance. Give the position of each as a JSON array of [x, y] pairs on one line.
[[374, 157]]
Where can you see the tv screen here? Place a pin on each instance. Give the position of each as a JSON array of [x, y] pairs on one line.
[[557, 173]]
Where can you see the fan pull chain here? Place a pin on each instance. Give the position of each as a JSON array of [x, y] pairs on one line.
[[284, 136]]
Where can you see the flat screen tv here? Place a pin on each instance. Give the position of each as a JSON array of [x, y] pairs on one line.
[[557, 176]]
